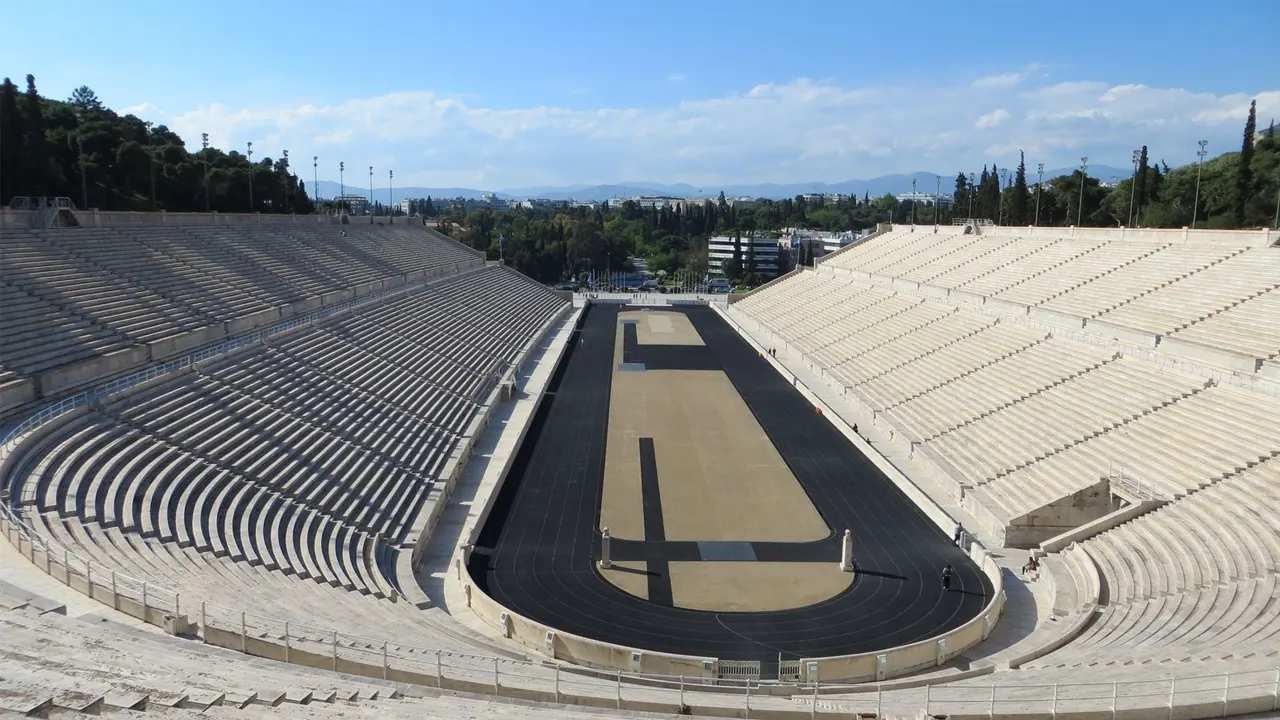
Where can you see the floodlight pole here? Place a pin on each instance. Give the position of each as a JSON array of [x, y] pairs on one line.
[[1039, 183], [1275, 224], [204, 145], [1195, 208], [250, 146], [913, 202], [1084, 168], [151, 166], [973, 179], [287, 204], [1133, 190], [937, 192]]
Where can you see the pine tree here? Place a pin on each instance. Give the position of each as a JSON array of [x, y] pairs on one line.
[[1019, 199], [35, 147], [1244, 174], [12, 159]]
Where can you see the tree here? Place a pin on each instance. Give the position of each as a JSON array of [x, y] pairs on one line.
[[35, 146], [1244, 173], [1140, 185], [12, 170], [1019, 200], [960, 198]]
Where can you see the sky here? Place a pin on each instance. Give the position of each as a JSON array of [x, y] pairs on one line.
[[508, 94]]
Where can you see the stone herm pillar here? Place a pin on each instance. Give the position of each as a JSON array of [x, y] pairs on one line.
[[846, 552], [605, 562]]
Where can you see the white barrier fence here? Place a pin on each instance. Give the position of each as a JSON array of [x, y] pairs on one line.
[[1200, 696]]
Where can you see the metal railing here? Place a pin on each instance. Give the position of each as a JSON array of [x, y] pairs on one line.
[[328, 648], [1132, 484]]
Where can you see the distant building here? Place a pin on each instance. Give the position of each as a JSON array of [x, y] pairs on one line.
[[816, 243], [824, 198], [765, 249], [925, 198], [657, 202], [356, 204]]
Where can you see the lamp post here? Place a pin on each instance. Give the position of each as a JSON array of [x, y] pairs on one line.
[[1084, 167], [342, 184], [287, 205], [1039, 182], [1133, 191], [937, 192], [913, 202], [370, 194], [151, 164], [1275, 224], [1195, 208], [973, 179], [250, 144], [204, 145], [391, 197]]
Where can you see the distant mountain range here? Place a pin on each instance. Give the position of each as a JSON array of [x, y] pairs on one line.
[[875, 187]]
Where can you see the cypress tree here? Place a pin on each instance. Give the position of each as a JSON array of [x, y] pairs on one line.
[[36, 148], [1140, 188], [1018, 201], [1244, 174], [11, 142]]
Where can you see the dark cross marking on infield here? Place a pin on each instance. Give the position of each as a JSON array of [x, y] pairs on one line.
[[662, 357], [659, 574]]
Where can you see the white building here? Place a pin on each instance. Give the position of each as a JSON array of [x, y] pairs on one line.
[[765, 249], [925, 198], [356, 204]]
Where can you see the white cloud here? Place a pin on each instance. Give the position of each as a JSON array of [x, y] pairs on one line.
[[797, 131], [145, 110], [992, 119], [1001, 81]]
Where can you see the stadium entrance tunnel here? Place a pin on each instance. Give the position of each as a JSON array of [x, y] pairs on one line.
[[725, 497]]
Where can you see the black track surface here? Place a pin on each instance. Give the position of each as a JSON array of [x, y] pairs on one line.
[[537, 551]]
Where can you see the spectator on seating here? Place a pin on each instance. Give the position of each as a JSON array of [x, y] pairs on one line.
[[1032, 566], [946, 578]]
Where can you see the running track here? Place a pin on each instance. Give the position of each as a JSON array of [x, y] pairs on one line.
[[536, 554]]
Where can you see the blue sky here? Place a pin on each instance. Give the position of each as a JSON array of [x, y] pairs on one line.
[[508, 94]]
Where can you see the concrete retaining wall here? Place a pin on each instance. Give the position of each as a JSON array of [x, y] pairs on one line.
[[21, 392], [916, 656], [1219, 357], [1236, 238], [115, 362], [178, 344]]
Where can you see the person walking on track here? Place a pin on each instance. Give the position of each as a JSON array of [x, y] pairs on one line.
[[946, 578]]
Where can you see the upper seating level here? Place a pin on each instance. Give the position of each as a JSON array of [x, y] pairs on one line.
[[85, 303], [311, 453], [1208, 291]]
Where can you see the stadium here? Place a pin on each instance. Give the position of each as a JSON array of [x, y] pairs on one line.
[[281, 465]]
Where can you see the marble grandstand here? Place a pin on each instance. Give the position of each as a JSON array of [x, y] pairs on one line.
[[1114, 398], [1107, 399]]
